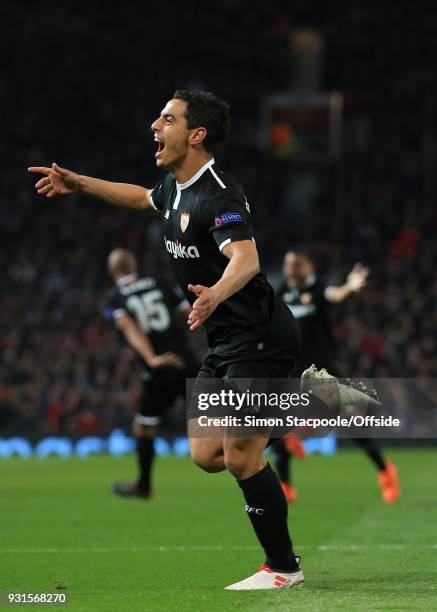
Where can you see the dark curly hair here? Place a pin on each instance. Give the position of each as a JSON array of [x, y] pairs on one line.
[[204, 109]]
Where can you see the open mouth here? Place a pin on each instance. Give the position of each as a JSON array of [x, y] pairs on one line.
[[161, 147]]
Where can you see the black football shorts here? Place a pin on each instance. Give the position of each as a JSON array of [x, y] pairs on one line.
[[160, 389]]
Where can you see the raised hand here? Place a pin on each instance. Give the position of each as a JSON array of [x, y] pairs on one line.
[[57, 180], [357, 277]]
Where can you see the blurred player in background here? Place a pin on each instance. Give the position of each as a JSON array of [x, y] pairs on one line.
[[309, 299], [146, 310]]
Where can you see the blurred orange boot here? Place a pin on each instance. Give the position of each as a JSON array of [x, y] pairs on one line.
[[389, 483], [294, 446], [290, 492]]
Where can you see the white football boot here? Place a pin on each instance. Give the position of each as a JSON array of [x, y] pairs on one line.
[[337, 395], [265, 578]]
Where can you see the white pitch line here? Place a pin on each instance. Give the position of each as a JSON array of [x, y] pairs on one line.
[[134, 549]]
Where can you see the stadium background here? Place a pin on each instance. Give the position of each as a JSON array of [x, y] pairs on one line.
[[81, 84]]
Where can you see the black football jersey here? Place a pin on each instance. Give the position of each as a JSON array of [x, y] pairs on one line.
[[202, 216], [153, 304], [310, 309]]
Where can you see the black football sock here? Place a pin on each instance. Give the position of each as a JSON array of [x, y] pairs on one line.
[[267, 510], [371, 449], [146, 454], [282, 460]]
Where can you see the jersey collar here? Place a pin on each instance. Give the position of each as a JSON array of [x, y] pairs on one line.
[[309, 281], [197, 176], [124, 280]]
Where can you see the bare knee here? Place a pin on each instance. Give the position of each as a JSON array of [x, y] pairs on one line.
[[204, 461], [242, 463], [236, 461], [209, 457]]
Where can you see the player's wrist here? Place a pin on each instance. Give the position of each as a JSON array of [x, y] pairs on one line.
[[218, 293], [79, 184]]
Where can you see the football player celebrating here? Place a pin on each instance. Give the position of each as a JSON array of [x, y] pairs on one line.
[[251, 333], [309, 299]]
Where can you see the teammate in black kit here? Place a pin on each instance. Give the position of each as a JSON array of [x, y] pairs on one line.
[[251, 333], [145, 310], [309, 299]]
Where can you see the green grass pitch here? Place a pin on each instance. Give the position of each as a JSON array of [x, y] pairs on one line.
[[60, 523]]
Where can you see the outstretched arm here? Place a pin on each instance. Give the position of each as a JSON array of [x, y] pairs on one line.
[[60, 181], [356, 280]]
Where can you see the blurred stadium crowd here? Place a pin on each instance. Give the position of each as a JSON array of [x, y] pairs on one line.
[[89, 81]]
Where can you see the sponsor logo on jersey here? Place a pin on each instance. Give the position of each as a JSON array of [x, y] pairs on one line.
[[228, 217], [185, 219], [179, 250]]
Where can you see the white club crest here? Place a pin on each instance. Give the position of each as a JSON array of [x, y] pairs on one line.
[[185, 219]]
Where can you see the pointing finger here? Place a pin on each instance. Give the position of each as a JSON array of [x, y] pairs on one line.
[[39, 169]]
